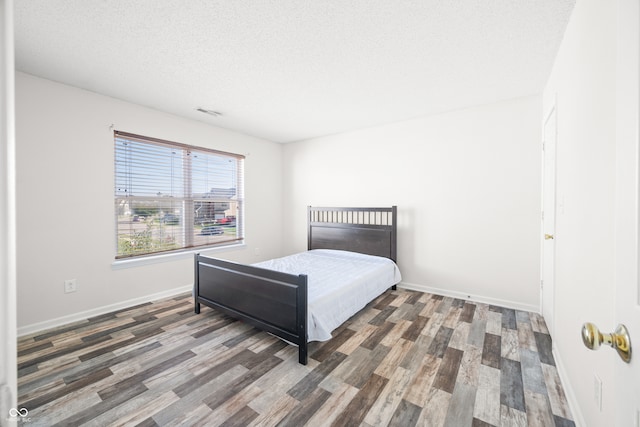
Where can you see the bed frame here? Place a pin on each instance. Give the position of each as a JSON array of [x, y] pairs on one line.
[[277, 302]]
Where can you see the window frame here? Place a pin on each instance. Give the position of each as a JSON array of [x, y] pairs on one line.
[[188, 199]]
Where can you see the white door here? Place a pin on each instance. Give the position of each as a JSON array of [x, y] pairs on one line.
[[627, 278], [549, 218]]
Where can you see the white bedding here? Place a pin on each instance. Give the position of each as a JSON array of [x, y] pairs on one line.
[[340, 284]]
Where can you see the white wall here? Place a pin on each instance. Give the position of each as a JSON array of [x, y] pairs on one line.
[[66, 227], [583, 81], [467, 186]]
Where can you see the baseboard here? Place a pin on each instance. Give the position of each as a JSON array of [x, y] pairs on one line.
[[76, 317], [83, 315], [475, 298], [578, 418]]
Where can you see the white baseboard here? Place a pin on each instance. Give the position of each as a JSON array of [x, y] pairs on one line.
[[54, 323], [83, 315], [475, 298], [578, 418]]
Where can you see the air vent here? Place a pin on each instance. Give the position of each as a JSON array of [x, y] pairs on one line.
[[209, 112]]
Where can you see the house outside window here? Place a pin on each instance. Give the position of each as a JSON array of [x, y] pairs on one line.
[[172, 197]]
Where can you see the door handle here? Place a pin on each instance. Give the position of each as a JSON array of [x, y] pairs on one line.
[[548, 237], [618, 339]]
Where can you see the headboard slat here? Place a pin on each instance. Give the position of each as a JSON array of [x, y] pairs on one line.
[[371, 231]]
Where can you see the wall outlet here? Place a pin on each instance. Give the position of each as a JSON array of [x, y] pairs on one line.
[[597, 392], [256, 252], [70, 286]]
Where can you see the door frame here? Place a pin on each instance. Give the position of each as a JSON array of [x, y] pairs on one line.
[[626, 387], [546, 288], [8, 309]]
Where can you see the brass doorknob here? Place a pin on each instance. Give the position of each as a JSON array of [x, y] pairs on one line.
[[548, 237], [618, 339]]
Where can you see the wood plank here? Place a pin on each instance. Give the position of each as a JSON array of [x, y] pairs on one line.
[[526, 338], [388, 365], [185, 406], [557, 398], [532, 376], [386, 404], [446, 377], [487, 403], [460, 336], [276, 411], [440, 342], [509, 318], [376, 337], [469, 366], [310, 382], [510, 344], [468, 310], [361, 372], [130, 414], [494, 322], [543, 343], [332, 345], [511, 389], [244, 380], [241, 418], [354, 342], [394, 335], [234, 411], [357, 409], [416, 354], [417, 325], [341, 397], [538, 410], [406, 415], [476, 332], [434, 412], [512, 417], [491, 350], [417, 392], [460, 410], [113, 401]]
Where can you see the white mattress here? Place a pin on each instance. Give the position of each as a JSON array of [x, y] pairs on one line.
[[340, 284]]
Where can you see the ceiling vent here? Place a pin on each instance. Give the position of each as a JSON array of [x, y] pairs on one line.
[[209, 112]]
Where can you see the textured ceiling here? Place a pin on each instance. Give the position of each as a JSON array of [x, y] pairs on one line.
[[287, 70]]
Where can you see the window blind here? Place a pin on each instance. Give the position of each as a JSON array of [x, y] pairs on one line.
[[171, 196]]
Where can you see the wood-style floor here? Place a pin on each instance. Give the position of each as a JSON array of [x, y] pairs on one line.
[[407, 359]]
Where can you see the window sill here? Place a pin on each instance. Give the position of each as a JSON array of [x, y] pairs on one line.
[[175, 256]]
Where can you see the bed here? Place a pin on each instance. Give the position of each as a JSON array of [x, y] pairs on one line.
[[350, 261]]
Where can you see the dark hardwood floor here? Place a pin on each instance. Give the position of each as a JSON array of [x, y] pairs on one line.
[[407, 359]]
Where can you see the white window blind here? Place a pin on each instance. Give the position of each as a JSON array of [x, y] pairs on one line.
[[171, 196]]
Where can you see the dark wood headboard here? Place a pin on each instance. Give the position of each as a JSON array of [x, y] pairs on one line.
[[371, 231]]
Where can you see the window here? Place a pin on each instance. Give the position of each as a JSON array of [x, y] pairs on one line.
[[171, 196]]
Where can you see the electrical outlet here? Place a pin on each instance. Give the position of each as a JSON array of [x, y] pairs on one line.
[[597, 392], [70, 286]]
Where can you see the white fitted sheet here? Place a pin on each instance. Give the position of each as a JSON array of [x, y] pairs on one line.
[[340, 284]]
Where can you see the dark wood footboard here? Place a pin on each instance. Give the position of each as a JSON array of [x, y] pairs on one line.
[[270, 300]]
